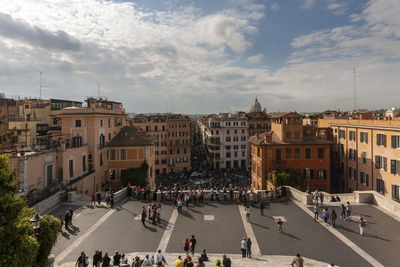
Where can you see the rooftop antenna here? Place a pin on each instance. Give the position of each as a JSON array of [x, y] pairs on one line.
[[355, 89], [40, 86], [98, 90]]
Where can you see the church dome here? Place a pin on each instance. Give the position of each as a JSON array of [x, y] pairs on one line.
[[256, 107]]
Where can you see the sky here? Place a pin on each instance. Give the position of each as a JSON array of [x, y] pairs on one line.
[[204, 56]]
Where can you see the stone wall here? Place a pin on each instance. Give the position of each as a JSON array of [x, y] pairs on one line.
[[45, 205]]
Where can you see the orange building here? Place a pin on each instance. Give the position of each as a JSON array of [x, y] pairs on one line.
[[172, 135], [289, 146], [130, 149]]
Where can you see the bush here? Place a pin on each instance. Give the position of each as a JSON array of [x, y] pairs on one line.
[[50, 226], [135, 176]]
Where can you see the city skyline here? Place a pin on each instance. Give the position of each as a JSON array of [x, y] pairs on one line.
[[204, 57]]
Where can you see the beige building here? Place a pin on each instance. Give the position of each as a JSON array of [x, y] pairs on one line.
[[367, 155], [224, 137], [172, 135]]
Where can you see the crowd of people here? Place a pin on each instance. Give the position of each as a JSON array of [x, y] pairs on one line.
[[345, 213], [100, 260]]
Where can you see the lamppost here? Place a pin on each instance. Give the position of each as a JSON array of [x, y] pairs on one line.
[[308, 180], [35, 221]]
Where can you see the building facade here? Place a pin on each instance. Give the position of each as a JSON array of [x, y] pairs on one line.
[[289, 146], [225, 140], [367, 155], [172, 135]]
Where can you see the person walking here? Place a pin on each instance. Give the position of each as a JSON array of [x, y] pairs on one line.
[[243, 247], [248, 252], [348, 210], [179, 262], [262, 207], [325, 215], [82, 260], [321, 197], [362, 225], [160, 258], [333, 217], [106, 260], [298, 261], [186, 246], [343, 213], [280, 223], [193, 243], [98, 195], [316, 195], [316, 212], [143, 217], [247, 210], [71, 214], [97, 259], [226, 262], [117, 258], [93, 199]]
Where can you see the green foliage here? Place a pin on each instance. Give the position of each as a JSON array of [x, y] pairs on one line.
[[18, 245], [135, 176], [50, 226], [291, 177]]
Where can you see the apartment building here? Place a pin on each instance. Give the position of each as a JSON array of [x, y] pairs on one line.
[[32, 120], [290, 146], [172, 135], [8, 108], [367, 155], [225, 140]]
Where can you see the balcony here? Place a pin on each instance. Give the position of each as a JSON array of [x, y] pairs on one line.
[[279, 162]]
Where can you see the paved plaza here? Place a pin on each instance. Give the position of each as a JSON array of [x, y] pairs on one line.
[[219, 228]]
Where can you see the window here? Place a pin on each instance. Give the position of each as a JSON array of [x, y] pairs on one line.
[[112, 154], [364, 137], [320, 153], [235, 147], [243, 146], [364, 157], [395, 191], [101, 123], [381, 163], [352, 154], [71, 168], [123, 154], [39, 181], [342, 134], [308, 153], [381, 140], [352, 173], [395, 166], [101, 159], [84, 163], [78, 123], [364, 178], [288, 135], [288, 153], [278, 155], [352, 135], [395, 141], [228, 139], [269, 154], [322, 174], [228, 154], [297, 153], [228, 147], [380, 185]]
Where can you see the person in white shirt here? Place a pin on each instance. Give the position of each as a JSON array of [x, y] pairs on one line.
[[160, 257], [148, 261]]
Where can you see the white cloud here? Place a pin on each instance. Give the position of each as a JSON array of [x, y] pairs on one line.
[[255, 59], [307, 4], [275, 6], [339, 8]]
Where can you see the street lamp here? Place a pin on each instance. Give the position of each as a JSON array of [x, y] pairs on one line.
[[35, 221]]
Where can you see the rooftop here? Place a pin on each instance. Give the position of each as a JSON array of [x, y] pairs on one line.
[[130, 136]]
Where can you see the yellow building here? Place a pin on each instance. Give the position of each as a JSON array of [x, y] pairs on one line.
[[367, 155]]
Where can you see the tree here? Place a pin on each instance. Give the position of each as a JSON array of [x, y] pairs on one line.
[[135, 176], [291, 177], [18, 244]]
